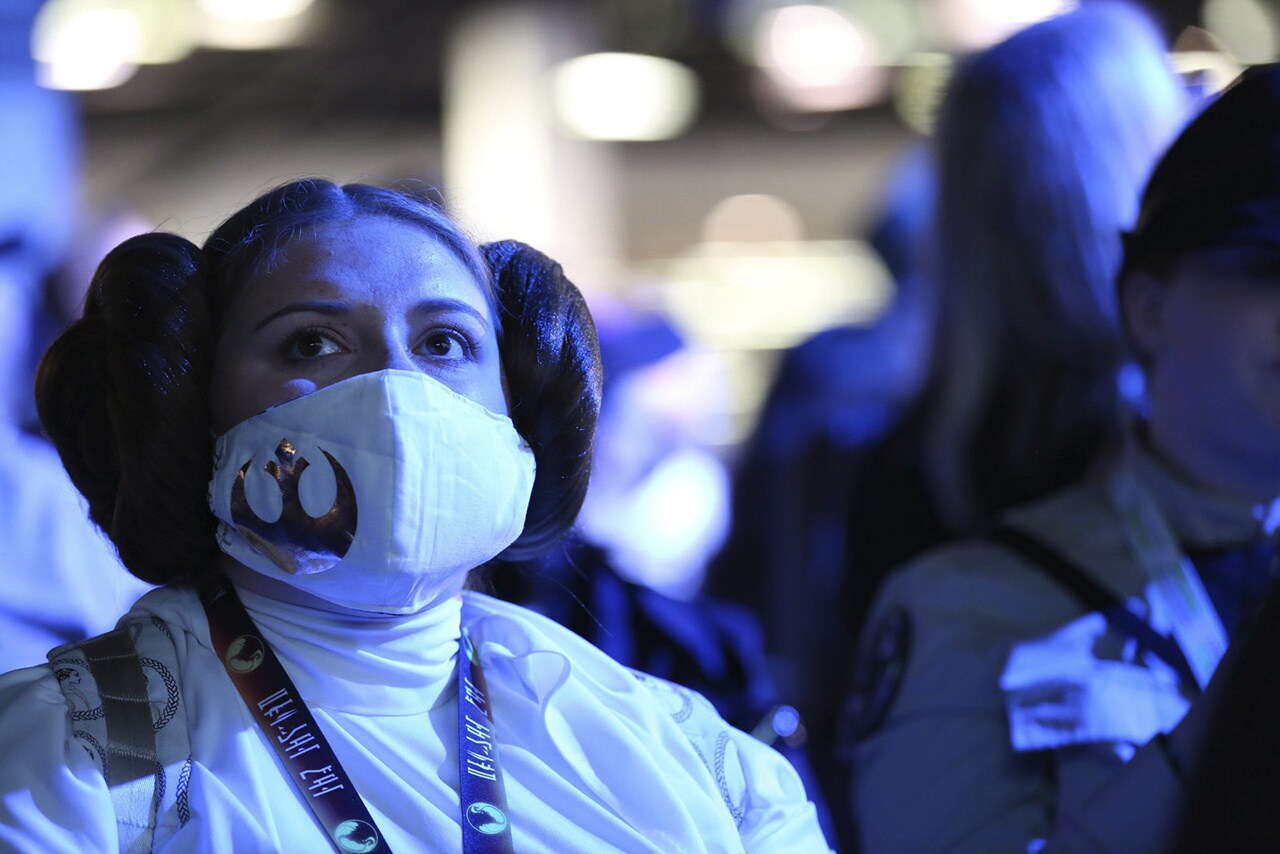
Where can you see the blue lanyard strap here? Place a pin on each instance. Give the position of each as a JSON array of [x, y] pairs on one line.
[[485, 826], [297, 739]]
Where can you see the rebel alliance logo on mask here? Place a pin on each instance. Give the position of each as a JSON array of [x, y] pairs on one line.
[[297, 539]]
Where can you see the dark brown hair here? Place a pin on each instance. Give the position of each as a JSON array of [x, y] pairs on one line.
[[552, 365], [1042, 145]]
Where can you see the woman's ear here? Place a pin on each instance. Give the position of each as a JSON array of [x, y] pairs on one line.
[[1142, 302]]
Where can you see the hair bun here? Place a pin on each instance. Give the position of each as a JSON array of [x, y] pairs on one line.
[[124, 390], [552, 364]]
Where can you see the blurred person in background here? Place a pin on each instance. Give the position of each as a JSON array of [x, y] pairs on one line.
[[61, 298], [1058, 682], [1042, 145], [659, 496], [829, 492], [799, 506], [60, 580], [96, 234], [629, 577], [1204, 309]]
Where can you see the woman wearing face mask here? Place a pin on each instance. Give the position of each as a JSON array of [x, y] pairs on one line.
[[309, 430]]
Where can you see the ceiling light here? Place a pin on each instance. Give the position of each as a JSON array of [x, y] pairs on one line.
[[252, 24], [1247, 27], [817, 59], [85, 44], [624, 96], [810, 45], [772, 295], [752, 218], [976, 24], [166, 27], [251, 11]]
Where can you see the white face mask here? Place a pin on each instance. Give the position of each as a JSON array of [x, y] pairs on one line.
[[407, 486]]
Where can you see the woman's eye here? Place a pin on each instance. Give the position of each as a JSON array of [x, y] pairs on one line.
[[444, 344], [311, 344]]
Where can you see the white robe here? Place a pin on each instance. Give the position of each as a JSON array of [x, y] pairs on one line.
[[595, 758]]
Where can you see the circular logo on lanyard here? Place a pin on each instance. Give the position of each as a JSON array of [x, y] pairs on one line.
[[244, 654], [356, 836], [486, 818]]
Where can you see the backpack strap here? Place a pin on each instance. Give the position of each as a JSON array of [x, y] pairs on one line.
[[129, 761], [1092, 596]]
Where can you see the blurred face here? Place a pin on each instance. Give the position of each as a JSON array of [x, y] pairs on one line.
[[352, 298], [1212, 338]]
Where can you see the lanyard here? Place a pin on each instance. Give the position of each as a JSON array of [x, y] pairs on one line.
[[1173, 584], [297, 739], [485, 827]]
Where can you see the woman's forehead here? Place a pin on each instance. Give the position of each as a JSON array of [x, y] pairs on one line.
[[367, 258]]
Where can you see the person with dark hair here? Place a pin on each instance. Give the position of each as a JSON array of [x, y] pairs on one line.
[[1042, 144], [811, 536], [310, 430], [828, 490], [1059, 681], [993, 383]]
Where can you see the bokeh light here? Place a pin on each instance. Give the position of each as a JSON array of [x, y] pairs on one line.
[[810, 46], [752, 218], [1250, 29], [965, 25], [85, 44], [252, 11], [918, 88], [1203, 61], [166, 28], [253, 24], [816, 58], [624, 96]]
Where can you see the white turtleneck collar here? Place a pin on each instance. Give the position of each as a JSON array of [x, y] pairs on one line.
[[371, 664]]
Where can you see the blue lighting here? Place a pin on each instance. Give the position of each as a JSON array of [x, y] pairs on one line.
[[785, 721]]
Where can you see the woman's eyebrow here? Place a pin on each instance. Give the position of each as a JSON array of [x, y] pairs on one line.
[[440, 305], [329, 307]]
